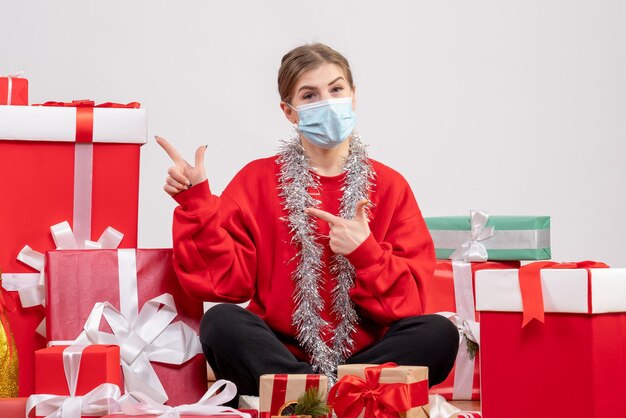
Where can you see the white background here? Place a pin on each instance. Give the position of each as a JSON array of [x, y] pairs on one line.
[[514, 107]]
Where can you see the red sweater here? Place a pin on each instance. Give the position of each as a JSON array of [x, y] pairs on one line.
[[235, 248]]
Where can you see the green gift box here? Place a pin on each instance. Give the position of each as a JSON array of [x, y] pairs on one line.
[[480, 237]]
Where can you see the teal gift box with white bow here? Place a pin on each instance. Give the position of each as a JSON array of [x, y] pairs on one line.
[[481, 237]]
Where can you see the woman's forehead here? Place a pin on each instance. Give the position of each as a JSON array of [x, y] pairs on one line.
[[321, 76]]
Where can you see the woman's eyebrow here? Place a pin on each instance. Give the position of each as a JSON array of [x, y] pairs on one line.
[[313, 88], [335, 80]]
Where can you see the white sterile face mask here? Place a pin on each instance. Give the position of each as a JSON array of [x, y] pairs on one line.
[[326, 123]]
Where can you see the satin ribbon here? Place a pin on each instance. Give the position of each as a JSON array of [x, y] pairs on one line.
[[10, 78], [530, 285], [100, 401], [440, 408], [472, 249], [351, 395], [222, 391], [469, 329], [145, 336]]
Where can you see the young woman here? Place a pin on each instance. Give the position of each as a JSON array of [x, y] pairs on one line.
[[328, 245]]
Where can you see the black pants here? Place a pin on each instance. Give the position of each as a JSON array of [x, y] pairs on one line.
[[240, 347]]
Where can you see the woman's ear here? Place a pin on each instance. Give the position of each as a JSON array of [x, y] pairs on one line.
[[290, 113], [354, 98]]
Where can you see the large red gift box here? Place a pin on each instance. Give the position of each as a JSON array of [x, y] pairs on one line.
[[138, 285], [452, 291], [75, 164], [570, 365], [13, 90]]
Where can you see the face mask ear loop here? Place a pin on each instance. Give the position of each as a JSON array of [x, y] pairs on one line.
[[295, 125]]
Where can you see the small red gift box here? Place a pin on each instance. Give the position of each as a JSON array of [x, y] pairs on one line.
[[13, 90], [572, 363], [99, 364], [452, 291], [76, 164], [140, 288], [278, 390], [89, 375]]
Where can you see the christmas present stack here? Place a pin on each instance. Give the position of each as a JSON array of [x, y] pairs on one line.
[[465, 246], [553, 334], [72, 168]]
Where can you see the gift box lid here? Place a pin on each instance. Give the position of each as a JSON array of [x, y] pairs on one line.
[[601, 290], [51, 123]]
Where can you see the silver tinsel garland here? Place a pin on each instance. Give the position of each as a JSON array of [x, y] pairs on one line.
[[295, 184]]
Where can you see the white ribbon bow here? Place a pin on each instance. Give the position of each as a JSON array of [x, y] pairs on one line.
[[469, 330], [18, 74], [101, 400], [150, 336], [472, 249], [137, 403], [31, 286]]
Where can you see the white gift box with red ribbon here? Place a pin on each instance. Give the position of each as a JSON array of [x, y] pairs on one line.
[[62, 163], [569, 358]]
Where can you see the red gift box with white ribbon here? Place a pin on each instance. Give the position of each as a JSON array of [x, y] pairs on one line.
[[13, 89], [74, 165], [451, 294], [73, 381], [131, 298], [553, 334]]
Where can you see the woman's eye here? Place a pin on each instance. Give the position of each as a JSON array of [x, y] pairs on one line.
[[308, 96], [337, 89]]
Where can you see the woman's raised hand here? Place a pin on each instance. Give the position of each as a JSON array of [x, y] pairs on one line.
[[182, 175]]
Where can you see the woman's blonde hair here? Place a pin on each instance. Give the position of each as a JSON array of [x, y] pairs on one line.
[[305, 58]]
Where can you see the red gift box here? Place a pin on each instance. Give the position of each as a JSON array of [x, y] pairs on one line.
[[573, 363], [42, 186], [89, 374], [98, 364], [13, 90], [139, 276], [452, 291]]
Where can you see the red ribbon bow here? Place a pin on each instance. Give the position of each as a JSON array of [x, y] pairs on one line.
[[530, 285], [84, 115], [352, 394]]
